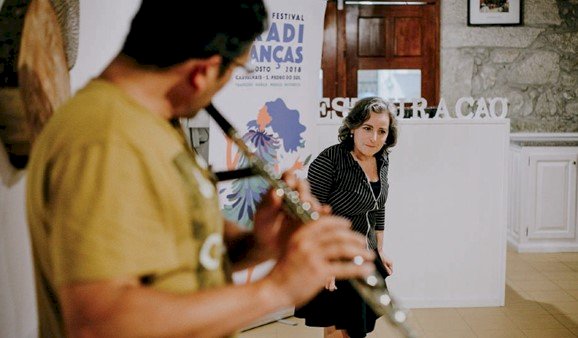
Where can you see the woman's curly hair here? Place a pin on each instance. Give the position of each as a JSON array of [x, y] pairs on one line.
[[361, 113]]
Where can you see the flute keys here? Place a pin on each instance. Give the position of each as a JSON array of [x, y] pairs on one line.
[[299, 210], [280, 192], [267, 168], [385, 300], [294, 197], [371, 280], [400, 316]]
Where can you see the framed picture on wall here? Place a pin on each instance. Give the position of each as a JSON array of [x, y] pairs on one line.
[[494, 12]]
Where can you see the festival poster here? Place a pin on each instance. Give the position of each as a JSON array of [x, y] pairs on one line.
[[274, 108]]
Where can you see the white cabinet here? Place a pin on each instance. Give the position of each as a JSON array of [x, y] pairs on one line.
[[543, 198]]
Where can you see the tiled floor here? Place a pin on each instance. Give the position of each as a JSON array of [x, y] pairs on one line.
[[541, 302]]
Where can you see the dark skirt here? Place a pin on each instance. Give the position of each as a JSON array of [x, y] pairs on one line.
[[342, 308]]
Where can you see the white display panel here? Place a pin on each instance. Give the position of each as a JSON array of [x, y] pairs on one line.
[[446, 215]]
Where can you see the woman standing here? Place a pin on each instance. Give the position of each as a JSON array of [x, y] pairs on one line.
[[351, 177]]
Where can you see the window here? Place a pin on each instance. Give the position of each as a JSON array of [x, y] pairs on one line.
[[389, 83]]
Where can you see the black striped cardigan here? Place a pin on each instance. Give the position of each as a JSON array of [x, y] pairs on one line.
[[338, 180]]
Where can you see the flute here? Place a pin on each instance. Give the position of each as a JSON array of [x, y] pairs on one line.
[[372, 288]]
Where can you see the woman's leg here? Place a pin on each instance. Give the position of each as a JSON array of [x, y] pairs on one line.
[[329, 332], [332, 332]]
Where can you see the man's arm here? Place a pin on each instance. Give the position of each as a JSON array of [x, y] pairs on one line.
[[242, 247], [125, 308], [272, 227]]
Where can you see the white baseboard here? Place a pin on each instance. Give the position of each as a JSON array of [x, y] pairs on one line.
[[547, 248], [542, 247], [443, 303]]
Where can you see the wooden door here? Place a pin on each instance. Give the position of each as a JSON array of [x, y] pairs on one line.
[[370, 37]]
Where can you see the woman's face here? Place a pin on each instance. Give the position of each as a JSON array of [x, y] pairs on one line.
[[263, 118], [370, 137]]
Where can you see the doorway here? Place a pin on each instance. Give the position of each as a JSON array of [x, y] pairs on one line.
[[381, 48]]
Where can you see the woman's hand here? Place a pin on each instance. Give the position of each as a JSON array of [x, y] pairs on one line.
[[330, 285], [388, 263]]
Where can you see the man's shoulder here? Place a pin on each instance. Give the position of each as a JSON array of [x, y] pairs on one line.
[[96, 96], [86, 107], [101, 110], [92, 120]]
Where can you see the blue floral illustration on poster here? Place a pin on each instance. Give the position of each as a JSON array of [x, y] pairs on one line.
[[274, 133]]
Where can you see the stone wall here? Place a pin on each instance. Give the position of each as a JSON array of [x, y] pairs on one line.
[[534, 65]]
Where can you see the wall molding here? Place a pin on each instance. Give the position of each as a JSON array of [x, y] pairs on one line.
[[547, 137], [419, 303], [542, 247]]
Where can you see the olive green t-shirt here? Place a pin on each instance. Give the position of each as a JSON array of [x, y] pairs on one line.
[[113, 191]]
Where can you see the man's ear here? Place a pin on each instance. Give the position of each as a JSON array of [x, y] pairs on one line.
[[203, 71]]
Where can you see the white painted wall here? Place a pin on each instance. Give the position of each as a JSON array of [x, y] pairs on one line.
[[17, 302], [17, 297], [103, 26]]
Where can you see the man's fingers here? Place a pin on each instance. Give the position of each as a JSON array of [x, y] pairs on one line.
[[289, 177], [347, 270], [301, 186], [325, 209], [332, 230], [338, 245], [318, 250], [342, 237], [347, 252], [329, 223]]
